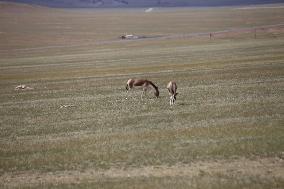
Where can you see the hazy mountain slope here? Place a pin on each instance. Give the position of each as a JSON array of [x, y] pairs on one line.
[[143, 3], [10, 7]]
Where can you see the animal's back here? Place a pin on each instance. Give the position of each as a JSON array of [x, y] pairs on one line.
[[139, 82], [172, 87]]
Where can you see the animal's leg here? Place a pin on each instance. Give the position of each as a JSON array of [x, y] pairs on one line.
[[172, 100], [143, 92], [169, 92]]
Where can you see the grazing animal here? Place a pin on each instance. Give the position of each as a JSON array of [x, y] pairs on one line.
[[145, 84], [172, 88]]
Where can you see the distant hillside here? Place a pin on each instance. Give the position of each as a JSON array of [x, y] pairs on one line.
[[143, 3], [7, 6]]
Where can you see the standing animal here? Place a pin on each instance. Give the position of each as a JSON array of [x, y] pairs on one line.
[[144, 83], [172, 88]]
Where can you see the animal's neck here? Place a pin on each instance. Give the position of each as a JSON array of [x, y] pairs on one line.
[[154, 86]]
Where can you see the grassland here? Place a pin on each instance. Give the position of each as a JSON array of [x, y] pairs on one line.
[[225, 130]]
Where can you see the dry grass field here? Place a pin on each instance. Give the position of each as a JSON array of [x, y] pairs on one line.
[[76, 127]]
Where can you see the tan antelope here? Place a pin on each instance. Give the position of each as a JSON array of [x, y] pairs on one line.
[[145, 84], [172, 88]]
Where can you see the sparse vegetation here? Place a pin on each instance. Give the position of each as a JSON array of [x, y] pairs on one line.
[[78, 128]]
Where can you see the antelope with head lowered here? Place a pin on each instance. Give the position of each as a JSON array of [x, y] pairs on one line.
[[145, 84], [172, 88]]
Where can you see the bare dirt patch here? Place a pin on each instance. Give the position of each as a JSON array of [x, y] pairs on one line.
[[261, 167]]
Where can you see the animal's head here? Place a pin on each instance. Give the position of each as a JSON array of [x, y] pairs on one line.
[[174, 97]]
